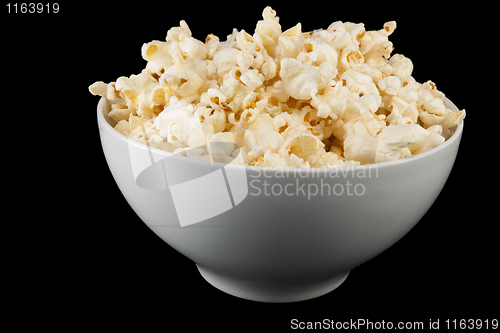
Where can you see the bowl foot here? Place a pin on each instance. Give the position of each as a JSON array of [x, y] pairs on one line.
[[272, 291]]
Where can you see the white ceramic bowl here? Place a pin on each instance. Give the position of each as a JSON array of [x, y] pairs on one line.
[[275, 235]]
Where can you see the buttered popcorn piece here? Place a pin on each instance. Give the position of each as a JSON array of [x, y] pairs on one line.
[[303, 81], [326, 98]]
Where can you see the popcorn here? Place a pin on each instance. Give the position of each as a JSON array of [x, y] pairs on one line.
[[290, 43], [222, 147], [358, 82], [317, 51], [251, 78], [390, 85], [157, 54], [394, 143], [183, 80], [361, 148], [303, 81], [401, 66], [225, 60], [300, 142], [327, 98], [269, 29], [375, 44]]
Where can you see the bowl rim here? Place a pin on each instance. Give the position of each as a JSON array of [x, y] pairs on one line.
[[456, 136]]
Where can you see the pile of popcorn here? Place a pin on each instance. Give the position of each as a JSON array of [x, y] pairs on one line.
[[324, 98]]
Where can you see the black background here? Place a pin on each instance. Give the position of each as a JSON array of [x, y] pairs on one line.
[[90, 260]]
